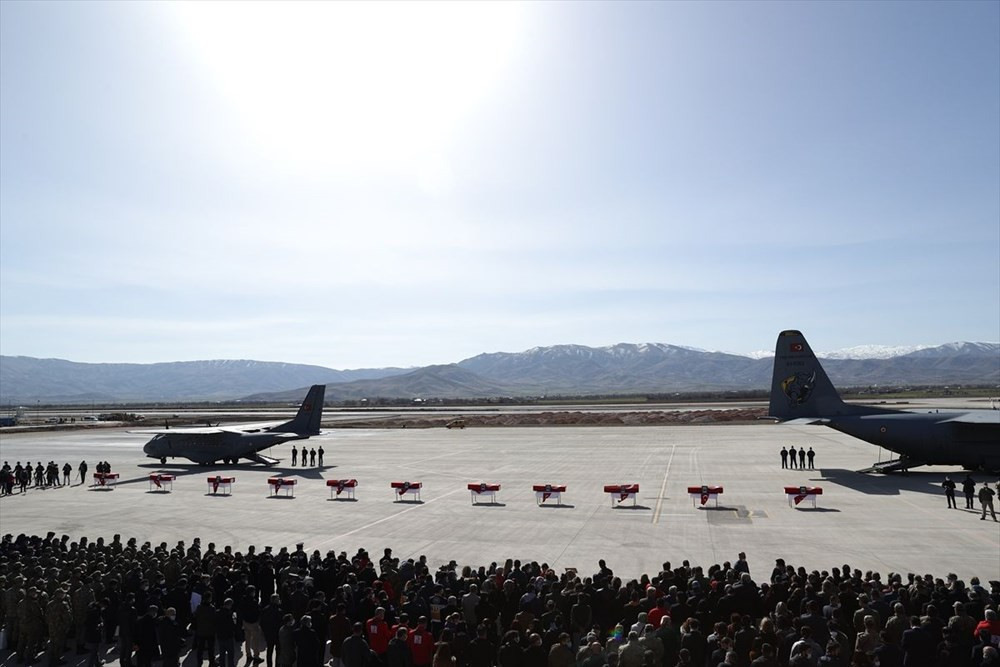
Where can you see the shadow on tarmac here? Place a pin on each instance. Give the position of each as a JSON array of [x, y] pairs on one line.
[[887, 485], [816, 509]]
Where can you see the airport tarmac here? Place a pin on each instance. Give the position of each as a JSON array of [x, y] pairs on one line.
[[884, 523]]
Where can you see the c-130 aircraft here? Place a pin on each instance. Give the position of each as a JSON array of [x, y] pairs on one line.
[[801, 393], [229, 444]]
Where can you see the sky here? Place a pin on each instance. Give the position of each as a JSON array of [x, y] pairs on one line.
[[401, 184]]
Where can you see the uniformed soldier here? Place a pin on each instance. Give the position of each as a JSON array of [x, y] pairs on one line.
[[82, 597], [784, 457], [312, 457], [319, 453], [792, 452], [295, 454], [32, 626], [12, 596], [59, 618]]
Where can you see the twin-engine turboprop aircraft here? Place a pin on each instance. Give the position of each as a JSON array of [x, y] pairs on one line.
[[802, 393], [229, 444]]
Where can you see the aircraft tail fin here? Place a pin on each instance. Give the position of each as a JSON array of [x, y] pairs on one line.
[[799, 385], [306, 421]]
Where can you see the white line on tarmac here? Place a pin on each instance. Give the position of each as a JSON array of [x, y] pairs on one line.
[[393, 516], [663, 487]]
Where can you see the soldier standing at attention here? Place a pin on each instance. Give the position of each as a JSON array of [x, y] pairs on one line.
[[784, 457], [812, 457], [295, 455], [791, 456], [320, 453], [969, 489], [986, 500], [59, 618], [802, 458], [312, 457], [31, 626], [949, 492]]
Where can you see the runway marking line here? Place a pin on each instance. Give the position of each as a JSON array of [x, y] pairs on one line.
[[399, 513], [663, 487]]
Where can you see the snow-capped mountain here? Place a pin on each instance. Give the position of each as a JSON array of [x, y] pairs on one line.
[[625, 368]]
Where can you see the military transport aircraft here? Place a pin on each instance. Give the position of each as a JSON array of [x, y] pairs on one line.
[[229, 444], [802, 393]]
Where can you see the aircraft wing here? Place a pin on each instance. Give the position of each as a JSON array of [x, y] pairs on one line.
[[975, 417], [804, 421], [209, 430], [191, 431]]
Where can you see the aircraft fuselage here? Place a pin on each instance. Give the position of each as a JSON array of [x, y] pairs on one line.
[[929, 438], [208, 449]]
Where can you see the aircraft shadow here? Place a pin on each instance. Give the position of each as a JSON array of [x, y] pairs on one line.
[[885, 485], [185, 469]]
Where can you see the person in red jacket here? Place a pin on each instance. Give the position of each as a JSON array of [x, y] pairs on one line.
[[378, 633], [991, 625], [421, 644]]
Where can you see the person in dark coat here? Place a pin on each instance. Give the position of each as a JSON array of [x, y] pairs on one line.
[[337, 630], [481, 650], [307, 644], [949, 492], [204, 630], [93, 630], [355, 651], [168, 633], [398, 654], [147, 648], [127, 618], [286, 641], [510, 653], [270, 625], [225, 634], [969, 489]]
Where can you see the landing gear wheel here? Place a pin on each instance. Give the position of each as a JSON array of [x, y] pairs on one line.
[[163, 460]]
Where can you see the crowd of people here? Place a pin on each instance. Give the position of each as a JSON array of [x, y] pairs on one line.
[[21, 477], [145, 604]]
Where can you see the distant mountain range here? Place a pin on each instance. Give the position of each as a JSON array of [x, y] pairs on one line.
[[624, 368]]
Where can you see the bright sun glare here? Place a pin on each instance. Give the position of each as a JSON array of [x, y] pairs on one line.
[[344, 84]]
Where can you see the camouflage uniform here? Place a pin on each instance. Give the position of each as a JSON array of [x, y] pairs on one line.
[[3, 600], [59, 618], [82, 597], [32, 626], [11, 598]]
